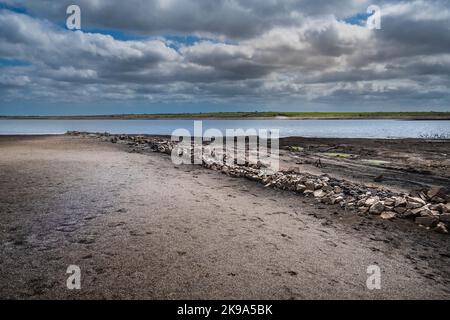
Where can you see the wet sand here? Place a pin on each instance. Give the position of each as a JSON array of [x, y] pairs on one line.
[[140, 227]]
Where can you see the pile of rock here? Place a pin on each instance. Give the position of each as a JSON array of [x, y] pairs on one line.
[[430, 209]]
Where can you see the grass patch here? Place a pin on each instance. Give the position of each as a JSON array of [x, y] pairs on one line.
[[295, 149], [339, 155]]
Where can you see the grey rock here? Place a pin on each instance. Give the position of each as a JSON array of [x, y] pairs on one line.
[[363, 209], [310, 185], [388, 215], [377, 208], [416, 200], [338, 189], [371, 201], [400, 202], [400, 210], [319, 193], [441, 228], [439, 192], [430, 221], [414, 205]]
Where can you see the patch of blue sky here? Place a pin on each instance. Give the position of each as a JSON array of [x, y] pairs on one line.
[[359, 19], [116, 34], [174, 41], [177, 41], [9, 7], [5, 63]]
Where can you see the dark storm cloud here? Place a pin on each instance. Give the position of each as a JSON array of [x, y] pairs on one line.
[[236, 19], [279, 52]]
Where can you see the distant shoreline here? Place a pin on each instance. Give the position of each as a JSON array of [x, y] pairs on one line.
[[251, 116]]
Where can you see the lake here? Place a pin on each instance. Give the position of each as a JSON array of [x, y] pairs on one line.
[[305, 128]]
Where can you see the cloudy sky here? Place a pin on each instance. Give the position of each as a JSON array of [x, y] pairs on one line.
[[223, 55]]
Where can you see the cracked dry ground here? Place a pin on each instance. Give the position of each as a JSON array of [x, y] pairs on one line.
[[140, 227]]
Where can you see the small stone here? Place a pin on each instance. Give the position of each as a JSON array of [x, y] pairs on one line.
[[410, 214], [430, 221], [301, 187], [414, 205], [388, 215], [319, 193], [389, 202], [416, 212], [363, 209], [441, 228], [438, 207], [337, 199], [376, 208], [435, 212], [423, 196], [338, 189], [317, 185], [361, 203], [400, 210], [447, 207], [439, 192], [327, 200], [416, 200], [425, 212], [310, 185], [379, 178], [369, 202], [400, 202], [438, 200]]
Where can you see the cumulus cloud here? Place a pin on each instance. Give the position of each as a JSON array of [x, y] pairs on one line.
[[277, 53]]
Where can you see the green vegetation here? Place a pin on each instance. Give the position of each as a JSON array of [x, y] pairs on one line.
[[295, 149], [257, 115], [338, 155]]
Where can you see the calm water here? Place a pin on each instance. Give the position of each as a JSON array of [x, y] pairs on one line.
[[306, 128]]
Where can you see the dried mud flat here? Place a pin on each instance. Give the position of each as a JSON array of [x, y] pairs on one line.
[[402, 164], [141, 227]]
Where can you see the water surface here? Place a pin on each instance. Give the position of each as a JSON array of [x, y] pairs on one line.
[[305, 128]]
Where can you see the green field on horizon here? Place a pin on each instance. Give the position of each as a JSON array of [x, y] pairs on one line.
[[244, 115]]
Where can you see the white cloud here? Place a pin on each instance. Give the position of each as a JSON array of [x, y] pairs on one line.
[[275, 52]]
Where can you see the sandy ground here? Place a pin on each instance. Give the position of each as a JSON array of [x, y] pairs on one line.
[[140, 227]]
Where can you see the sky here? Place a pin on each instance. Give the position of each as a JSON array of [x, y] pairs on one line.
[[157, 56]]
